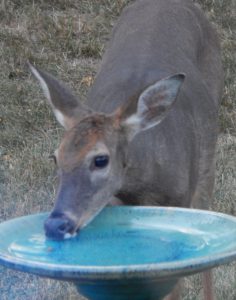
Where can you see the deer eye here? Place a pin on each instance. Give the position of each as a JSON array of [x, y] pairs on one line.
[[101, 161]]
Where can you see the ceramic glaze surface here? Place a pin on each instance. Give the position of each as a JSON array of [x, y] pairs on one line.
[[123, 242]]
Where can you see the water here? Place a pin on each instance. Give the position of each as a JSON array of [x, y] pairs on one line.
[[108, 247], [121, 236]]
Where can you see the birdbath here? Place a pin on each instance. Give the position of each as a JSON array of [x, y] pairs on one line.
[[125, 252]]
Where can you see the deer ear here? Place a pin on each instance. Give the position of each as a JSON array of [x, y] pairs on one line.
[[66, 107], [153, 105]]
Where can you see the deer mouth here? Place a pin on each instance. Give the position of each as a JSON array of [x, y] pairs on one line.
[[59, 227]]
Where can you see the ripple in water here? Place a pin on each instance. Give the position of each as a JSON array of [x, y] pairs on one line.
[[117, 246]]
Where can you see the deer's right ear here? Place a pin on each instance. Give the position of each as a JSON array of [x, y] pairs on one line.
[[152, 105], [66, 107]]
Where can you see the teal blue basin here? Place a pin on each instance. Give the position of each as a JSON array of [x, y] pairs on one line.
[[125, 252]]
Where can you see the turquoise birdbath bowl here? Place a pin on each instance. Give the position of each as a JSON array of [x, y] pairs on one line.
[[125, 252]]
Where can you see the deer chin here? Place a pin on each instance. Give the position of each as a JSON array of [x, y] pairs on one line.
[[85, 220], [88, 218]]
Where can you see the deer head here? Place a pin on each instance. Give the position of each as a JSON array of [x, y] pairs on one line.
[[93, 152]]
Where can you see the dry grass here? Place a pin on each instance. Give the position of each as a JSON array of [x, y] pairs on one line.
[[67, 37]]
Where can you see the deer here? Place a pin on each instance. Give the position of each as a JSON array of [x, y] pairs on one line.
[[148, 130]]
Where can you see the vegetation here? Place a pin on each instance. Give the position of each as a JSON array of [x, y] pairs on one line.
[[67, 38]]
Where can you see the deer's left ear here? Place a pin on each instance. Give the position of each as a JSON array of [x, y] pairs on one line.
[[67, 109], [153, 105]]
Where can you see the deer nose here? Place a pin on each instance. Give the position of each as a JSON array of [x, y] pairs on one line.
[[59, 228]]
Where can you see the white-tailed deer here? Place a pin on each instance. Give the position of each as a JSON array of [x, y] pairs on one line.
[[147, 133]]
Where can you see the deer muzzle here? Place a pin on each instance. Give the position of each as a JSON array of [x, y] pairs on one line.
[[59, 227]]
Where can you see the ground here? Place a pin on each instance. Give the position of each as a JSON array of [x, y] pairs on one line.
[[67, 38]]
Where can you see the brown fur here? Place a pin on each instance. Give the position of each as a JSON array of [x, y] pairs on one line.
[[78, 141]]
